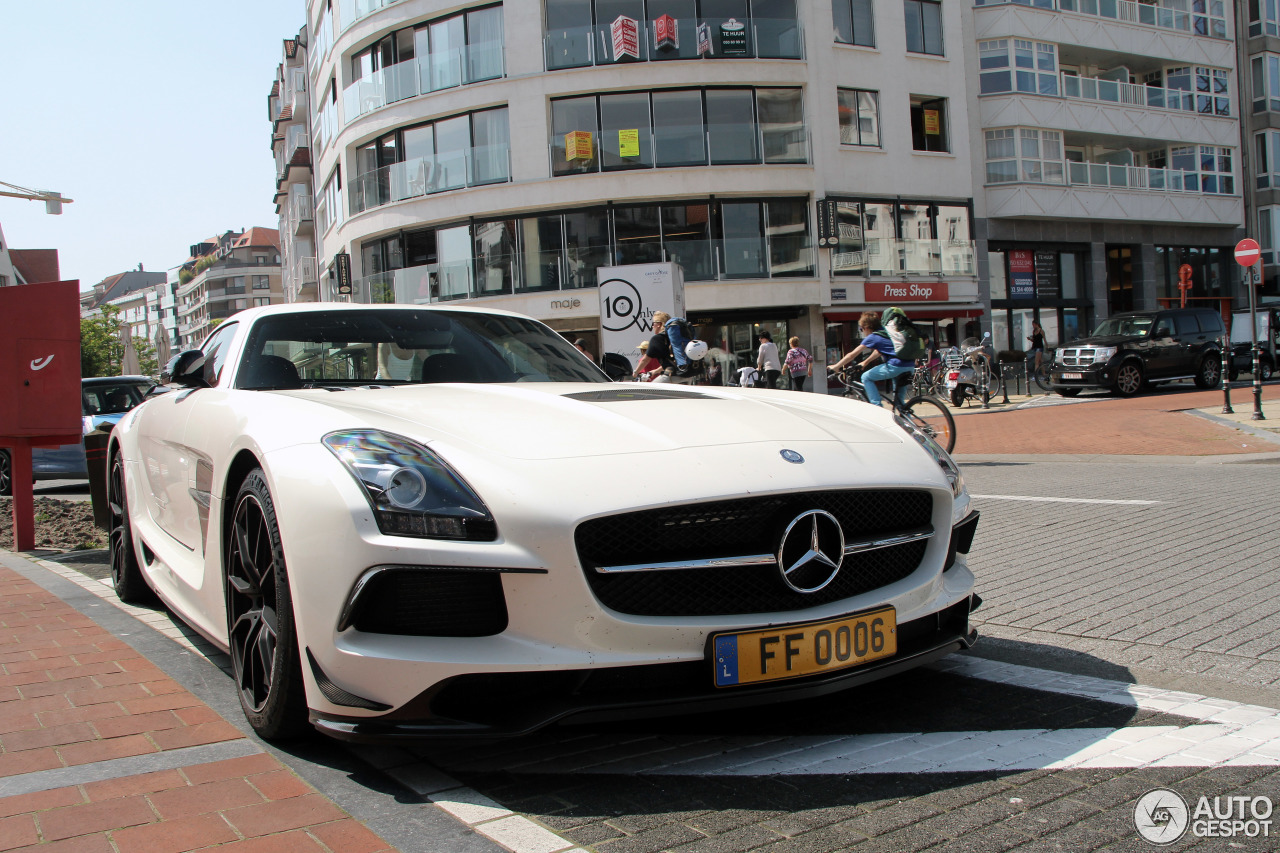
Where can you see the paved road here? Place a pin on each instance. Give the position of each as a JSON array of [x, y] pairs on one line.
[[1150, 584]]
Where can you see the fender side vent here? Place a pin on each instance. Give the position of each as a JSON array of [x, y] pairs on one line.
[[336, 694]]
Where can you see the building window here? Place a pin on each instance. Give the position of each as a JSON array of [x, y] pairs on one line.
[[924, 26], [1208, 18], [929, 124], [261, 282], [1031, 68], [859, 112], [1266, 166], [1264, 18], [1266, 83], [902, 237], [697, 127], [1024, 154], [259, 301], [854, 23]]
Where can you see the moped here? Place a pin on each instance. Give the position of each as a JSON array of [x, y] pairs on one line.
[[968, 373]]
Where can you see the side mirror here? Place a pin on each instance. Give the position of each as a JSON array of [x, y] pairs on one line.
[[186, 369]]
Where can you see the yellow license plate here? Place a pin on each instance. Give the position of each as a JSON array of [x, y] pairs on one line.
[[792, 651]]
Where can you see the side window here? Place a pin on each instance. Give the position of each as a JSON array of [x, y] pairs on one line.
[[1187, 325], [1210, 322], [215, 351], [1164, 328]]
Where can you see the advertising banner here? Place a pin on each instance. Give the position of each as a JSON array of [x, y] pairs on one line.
[[932, 123], [626, 37], [628, 297], [704, 39], [577, 145], [1022, 274], [1048, 281], [733, 38], [666, 32], [629, 143]]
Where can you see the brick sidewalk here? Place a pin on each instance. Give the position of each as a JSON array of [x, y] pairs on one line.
[[1157, 424], [101, 751]]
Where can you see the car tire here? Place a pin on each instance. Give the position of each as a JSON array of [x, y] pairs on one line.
[[1265, 370], [6, 474], [1069, 392], [126, 574], [265, 661], [1129, 379], [1209, 371]]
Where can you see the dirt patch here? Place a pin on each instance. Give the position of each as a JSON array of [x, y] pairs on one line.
[[65, 525]]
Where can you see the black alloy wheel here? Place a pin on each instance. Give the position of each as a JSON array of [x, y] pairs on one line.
[[126, 574], [1129, 379], [1209, 371], [265, 662], [6, 474]]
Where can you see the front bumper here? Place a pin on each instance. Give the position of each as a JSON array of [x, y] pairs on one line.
[[516, 703], [1096, 375]]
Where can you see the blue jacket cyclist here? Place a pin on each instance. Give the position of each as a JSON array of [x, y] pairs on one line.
[[877, 347]]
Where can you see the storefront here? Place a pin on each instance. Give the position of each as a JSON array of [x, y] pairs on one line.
[[1045, 284], [929, 304]]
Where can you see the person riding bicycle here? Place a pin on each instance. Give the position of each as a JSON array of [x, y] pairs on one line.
[[878, 347]]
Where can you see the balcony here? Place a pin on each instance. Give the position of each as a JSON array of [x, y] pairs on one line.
[[1137, 94], [487, 164], [300, 212], [758, 38], [304, 271], [1164, 16], [296, 92], [422, 76], [296, 138]]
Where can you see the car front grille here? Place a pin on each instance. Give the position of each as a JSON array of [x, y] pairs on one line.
[[741, 527], [1076, 357]]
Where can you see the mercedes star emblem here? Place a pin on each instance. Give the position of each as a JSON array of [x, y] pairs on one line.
[[811, 551], [791, 456]]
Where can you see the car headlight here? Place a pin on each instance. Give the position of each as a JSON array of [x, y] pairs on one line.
[[1103, 353], [412, 490], [939, 454]]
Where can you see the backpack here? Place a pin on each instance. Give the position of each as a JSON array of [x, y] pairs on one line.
[[679, 332], [907, 343]]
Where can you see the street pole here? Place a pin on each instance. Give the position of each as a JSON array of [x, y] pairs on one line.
[[1226, 372], [1253, 337]]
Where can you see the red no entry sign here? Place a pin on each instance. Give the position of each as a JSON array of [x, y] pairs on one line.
[[1247, 252]]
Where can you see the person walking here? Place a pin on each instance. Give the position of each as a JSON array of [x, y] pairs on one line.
[[1037, 345], [798, 364], [767, 361]]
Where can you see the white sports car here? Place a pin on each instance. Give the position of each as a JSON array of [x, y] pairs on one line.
[[405, 521]]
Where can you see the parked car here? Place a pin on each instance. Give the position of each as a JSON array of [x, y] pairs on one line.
[[1138, 349], [104, 400], [508, 538], [1268, 332]]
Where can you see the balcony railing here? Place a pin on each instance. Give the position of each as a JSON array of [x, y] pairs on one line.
[[1147, 14], [888, 256], [300, 209], [304, 271], [1138, 94], [485, 164], [423, 75], [689, 145], [295, 138], [350, 11], [760, 38], [296, 92], [1111, 176]]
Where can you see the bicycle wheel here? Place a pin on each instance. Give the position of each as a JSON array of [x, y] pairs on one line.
[[1042, 377], [931, 417]]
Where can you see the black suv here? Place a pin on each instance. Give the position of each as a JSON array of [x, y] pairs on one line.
[[1142, 348]]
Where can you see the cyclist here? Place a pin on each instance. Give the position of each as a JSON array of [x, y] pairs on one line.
[[878, 347]]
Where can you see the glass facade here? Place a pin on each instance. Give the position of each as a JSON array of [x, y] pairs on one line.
[[895, 237]]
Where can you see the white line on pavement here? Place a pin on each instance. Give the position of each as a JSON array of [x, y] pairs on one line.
[[1063, 500]]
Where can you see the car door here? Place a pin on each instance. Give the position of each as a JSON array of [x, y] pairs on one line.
[[1162, 348]]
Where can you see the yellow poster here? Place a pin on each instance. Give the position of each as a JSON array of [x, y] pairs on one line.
[[931, 123], [629, 143], [577, 145]]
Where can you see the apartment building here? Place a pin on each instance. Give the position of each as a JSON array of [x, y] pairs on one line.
[[1107, 159], [289, 110], [500, 154], [223, 275], [1258, 36]]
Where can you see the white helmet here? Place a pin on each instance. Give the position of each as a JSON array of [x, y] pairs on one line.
[[696, 350]]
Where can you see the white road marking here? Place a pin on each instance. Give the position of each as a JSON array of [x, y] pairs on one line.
[[1063, 500]]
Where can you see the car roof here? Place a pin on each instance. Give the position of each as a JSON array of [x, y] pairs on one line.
[[90, 381]]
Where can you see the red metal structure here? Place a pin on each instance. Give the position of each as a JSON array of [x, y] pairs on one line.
[[39, 383]]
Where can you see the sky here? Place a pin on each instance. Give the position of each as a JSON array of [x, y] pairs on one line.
[[151, 115]]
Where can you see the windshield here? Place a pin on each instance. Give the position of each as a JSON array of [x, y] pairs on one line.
[[112, 399], [406, 346], [1123, 326]]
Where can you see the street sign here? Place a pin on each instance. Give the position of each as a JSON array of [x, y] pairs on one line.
[[1247, 252]]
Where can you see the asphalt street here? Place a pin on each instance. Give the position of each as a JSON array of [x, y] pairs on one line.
[[1130, 641]]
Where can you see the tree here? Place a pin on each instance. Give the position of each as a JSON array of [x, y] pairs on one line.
[[102, 346]]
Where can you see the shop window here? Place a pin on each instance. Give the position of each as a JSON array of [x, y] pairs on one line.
[[854, 23], [929, 124], [586, 241], [924, 26], [859, 112], [638, 234]]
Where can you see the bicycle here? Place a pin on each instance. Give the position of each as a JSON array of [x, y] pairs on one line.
[[1041, 374], [926, 381], [927, 412]]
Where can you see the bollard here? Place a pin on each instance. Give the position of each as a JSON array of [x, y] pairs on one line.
[[1226, 382], [1257, 385], [1004, 383]]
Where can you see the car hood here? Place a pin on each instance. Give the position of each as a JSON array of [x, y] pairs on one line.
[[1105, 341], [555, 421]]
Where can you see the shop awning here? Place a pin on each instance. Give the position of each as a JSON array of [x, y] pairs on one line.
[[963, 312]]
